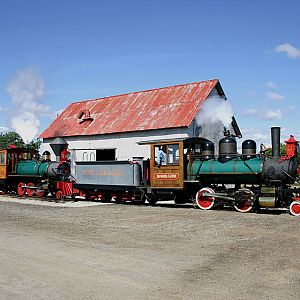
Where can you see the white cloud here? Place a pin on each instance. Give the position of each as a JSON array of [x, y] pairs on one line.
[[2, 109], [25, 90], [55, 114], [275, 96], [250, 112], [287, 48], [271, 114], [4, 129], [258, 135], [268, 114], [271, 85], [252, 93]]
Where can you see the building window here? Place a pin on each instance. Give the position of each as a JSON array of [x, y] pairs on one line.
[[105, 154], [85, 156]]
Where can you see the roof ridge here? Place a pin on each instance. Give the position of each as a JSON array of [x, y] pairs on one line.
[[148, 90]]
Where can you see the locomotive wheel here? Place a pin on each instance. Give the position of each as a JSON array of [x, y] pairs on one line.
[[41, 193], [29, 191], [246, 204], [21, 190], [58, 195], [295, 208], [205, 202], [151, 199]]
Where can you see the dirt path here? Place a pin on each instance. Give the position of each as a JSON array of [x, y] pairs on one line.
[[143, 252]]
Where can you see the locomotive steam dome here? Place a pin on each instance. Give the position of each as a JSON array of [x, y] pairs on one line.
[[249, 148], [227, 148], [208, 150]]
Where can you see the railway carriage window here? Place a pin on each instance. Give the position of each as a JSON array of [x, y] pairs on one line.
[[2, 158]]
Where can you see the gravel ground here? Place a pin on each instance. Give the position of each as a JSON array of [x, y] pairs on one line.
[[144, 252]]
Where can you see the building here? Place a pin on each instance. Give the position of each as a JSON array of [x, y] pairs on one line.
[[110, 128]]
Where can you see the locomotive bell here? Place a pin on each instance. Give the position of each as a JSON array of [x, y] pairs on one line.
[[57, 146], [248, 149]]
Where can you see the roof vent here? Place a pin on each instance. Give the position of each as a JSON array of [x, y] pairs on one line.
[[84, 115]]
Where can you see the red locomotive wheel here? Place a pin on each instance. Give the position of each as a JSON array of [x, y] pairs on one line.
[[295, 208], [40, 193], [58, 195], [247, 202], [21, 190], [205, 202], [29, 191]]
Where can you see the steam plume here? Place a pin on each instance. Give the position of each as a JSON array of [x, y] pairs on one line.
[[25, 90], [215, 109]]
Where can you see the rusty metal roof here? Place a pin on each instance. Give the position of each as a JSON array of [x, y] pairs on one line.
[[168, 107]]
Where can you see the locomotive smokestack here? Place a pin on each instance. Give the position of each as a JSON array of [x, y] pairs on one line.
[[275, 135], [57, 146]]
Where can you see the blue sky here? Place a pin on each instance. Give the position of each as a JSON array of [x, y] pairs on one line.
[[57, 52]]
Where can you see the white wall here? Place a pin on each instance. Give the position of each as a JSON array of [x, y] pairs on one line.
[[125, 143]]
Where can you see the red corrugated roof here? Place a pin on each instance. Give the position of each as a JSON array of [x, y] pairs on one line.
[[169, 107]]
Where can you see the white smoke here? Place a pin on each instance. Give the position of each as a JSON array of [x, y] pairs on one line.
[[25, 90], [215, 113], [215, 109]]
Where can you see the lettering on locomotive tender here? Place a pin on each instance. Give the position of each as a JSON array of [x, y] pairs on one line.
[[116, 173], [166, 176]]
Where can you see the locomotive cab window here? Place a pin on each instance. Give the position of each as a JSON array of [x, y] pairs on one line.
[[166, 154]]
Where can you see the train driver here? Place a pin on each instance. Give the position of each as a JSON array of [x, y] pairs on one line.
[[161, 156]]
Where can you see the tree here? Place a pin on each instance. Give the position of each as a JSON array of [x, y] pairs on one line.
[[268, 152], [34, 144], [11, 138]]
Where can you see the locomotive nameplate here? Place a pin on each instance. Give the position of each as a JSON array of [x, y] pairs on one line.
[[166, 176]]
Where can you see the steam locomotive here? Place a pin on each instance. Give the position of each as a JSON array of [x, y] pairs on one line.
[[188, 171], [22, 172]]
